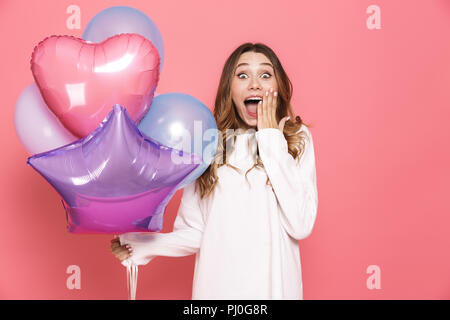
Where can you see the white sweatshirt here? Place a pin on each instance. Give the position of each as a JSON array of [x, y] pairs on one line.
[[245, 237]]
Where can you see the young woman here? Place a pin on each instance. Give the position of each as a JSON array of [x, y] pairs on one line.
[[244, 216]]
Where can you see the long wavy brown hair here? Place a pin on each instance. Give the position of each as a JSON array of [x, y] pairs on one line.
[[227, 117]]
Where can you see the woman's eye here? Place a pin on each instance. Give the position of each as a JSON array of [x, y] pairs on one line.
[[265, 73]]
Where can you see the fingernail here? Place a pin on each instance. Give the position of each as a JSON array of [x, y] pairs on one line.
[[271, 89], [288, 118], [267, 93], [275, 94]]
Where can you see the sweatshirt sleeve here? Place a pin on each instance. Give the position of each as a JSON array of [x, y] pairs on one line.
[[294, 183], [184, 240]]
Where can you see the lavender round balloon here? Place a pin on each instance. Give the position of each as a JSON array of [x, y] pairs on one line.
[[182, 122], [114, 180], [36, 126], [121, 19]]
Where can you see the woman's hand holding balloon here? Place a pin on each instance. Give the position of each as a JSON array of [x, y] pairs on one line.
[[121, 252]]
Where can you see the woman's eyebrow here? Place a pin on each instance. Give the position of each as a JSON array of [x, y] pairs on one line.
[[261, 64]]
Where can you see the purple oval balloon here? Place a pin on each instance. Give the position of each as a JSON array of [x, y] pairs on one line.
[[116, 179]]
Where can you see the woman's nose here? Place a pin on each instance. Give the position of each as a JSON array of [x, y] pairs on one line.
[[255, 84]]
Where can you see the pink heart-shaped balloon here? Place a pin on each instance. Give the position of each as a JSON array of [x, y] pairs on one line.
[[81, 81]]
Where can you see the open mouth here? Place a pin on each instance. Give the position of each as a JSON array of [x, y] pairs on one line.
[[252, 105]]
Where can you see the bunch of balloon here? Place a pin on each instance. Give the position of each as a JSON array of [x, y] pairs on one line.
[[99, 134]]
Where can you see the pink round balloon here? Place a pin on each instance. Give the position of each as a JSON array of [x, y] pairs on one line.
[[36, 126], [81, 81]]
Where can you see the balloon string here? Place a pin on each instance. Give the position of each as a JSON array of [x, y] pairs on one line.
[[132, 276]]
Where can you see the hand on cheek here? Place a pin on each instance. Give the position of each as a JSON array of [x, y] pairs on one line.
[[267, 110]]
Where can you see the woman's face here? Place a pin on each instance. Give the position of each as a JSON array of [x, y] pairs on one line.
[[254, 76]]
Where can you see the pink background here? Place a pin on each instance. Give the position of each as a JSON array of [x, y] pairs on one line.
[[379, 104]]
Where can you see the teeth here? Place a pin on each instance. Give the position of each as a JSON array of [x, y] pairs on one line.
[[254, 99]]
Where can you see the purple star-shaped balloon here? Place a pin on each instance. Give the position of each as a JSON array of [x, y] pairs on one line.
[[114, 180]]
